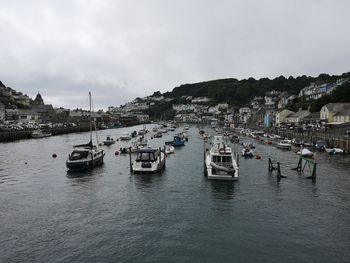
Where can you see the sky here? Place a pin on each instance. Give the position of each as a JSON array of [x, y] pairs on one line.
[[123, 49]]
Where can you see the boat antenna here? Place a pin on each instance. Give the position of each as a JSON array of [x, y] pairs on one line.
[[90, 118]]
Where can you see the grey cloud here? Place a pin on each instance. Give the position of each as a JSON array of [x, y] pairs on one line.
[[124, 49]]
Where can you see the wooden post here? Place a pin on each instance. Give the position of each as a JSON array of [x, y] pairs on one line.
[[130, 160]]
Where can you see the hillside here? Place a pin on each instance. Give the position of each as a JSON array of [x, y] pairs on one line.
[[239, 93]]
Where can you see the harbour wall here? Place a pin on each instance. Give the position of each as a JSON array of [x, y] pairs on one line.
[[21, 135]]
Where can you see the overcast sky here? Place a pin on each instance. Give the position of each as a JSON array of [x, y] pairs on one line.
[[122, 49]]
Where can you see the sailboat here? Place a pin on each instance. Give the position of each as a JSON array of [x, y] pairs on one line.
[[85, 156]]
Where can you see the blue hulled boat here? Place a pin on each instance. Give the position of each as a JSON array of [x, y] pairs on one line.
[[177, 141]]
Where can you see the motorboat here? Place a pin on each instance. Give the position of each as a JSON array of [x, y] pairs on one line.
[[220, 163], [169, 149], [40, 134], [177, 141], [186, 127], [125, 136], [247, 152], [109, 140], [334, 150], [149, 160], [85, 156], [285, 145]]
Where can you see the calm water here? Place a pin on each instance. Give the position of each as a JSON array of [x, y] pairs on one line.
[[109, 215]]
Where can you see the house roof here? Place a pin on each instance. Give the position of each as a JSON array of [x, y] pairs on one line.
[[298, 114], [344, 112], [313, 115], [335, 107]]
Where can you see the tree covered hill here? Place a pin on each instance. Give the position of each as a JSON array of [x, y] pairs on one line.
[[239, 93]]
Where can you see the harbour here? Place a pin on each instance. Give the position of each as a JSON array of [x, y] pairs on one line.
[[109, 214]]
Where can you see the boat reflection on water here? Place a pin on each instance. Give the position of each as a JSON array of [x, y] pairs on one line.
[[222, 190], [146, 181], [85, 172]]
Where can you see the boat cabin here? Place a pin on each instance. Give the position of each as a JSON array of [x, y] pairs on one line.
[[78, 155], [147, 155]]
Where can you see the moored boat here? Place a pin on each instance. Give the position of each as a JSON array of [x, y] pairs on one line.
[[220, 163], [85, 156], [149, 160], [40, 134], [109, 140], [285, 145], [125, 136], [177, 141]]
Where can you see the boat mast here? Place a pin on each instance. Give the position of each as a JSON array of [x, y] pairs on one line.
[[90, 118]]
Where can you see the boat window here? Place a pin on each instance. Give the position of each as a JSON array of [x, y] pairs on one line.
[[78, 155], [145, 157], [216, 159], [226, 159]]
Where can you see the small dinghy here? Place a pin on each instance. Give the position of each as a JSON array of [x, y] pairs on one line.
[[334, 150], [169, 149], [305, 153]]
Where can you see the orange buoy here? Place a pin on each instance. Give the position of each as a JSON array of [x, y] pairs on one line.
[[54, 155], [258, 157]]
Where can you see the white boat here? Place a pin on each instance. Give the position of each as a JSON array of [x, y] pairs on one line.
[[220, 162], [109, 140], [285, 144], [305, 153], [125, 136], [169, 149], [333, 150], [40, 134], [186, 127], [149, 160], [85, 156], [247, 152]]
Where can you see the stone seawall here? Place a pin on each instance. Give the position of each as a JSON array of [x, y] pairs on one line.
[[21, 135]]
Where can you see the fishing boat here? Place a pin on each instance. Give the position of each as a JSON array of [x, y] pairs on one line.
[[284, 145], [109, 140], [85, 156], [220, 163], [177, 141], [125, 136], [149, 160], [247, 152], [40, 134]]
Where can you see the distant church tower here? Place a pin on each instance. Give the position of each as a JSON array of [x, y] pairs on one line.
[[38, 100]]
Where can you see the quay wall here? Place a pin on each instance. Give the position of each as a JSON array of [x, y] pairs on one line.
[[21, 135], [333, 138]]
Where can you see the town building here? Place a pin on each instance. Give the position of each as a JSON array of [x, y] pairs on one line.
[[330, 110], [281, 116]]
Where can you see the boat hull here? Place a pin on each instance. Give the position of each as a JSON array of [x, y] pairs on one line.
[[82, 165]]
